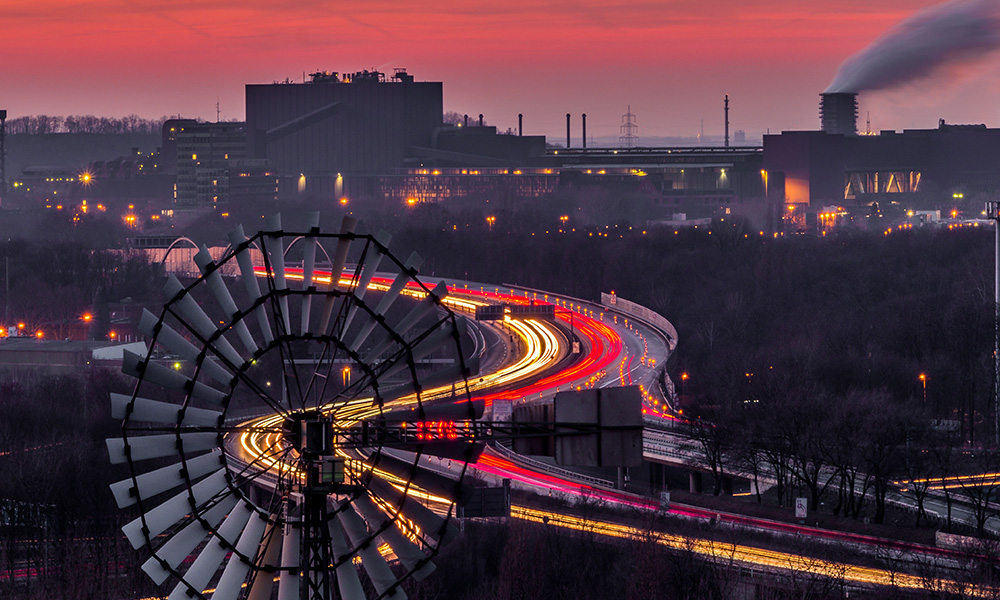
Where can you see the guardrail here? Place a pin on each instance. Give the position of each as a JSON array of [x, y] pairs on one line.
[[552, 470], [637, 311]]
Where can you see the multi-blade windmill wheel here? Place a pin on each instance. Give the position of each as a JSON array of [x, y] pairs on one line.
[[283, 416]]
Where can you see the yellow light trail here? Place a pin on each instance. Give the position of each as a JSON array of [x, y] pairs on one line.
[[748, 555]]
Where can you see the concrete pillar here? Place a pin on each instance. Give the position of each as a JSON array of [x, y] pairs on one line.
[[694, 482]]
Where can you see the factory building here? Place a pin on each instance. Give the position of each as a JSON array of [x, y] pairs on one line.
[[316, 133], [923, 168]]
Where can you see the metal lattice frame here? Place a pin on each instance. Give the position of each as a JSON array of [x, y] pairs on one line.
[[233, 454]]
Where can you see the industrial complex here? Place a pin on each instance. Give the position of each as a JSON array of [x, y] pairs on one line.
[[368, 136]]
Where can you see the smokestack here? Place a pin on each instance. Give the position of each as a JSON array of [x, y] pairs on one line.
[[584, 130], [727, 120], [480, 119], [838, 113], [567, 132], [520, 124], [3, 155]]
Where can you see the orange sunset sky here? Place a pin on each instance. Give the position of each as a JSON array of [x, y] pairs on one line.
[[671, 60]]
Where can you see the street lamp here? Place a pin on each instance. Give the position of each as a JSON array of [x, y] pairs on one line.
[[346, 374], [684, 378], [490, 220], [923, 381]]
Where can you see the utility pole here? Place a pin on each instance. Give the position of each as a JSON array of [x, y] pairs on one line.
[[3, 156], [993, 213]]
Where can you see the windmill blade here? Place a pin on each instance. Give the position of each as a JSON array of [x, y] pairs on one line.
[[235, 573], [219, 289], [308, 267], [422, 478], [186, 306], [378, 570], [421, 310], [368, 270], [347, 227], [408, 553], [348, 582], [395, 290], [439, 378], [173, 552], [164, 334], [263, 582], [134, 365], [127, 492], [276, 254], [419, 351], [249, 277], [154, 411], [163, 516], [288, 581], [429, 522], [212, 555], [145, 447]]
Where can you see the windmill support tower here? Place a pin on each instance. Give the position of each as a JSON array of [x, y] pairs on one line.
[[584, 130], [568, 145]]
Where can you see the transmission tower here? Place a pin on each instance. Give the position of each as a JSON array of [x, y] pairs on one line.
[[628, 129]]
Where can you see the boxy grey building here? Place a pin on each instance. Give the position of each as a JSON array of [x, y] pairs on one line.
[[332, 127]]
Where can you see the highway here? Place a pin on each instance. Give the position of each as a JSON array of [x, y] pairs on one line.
[[615, 350]]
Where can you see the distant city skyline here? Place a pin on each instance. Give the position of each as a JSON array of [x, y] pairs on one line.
[[671, 61]]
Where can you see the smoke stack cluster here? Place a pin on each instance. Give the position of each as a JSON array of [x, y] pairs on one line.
[[838, 113]]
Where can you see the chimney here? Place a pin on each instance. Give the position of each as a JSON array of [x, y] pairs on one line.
[[727, 120], [838, 113], [520, 124], [584, 130], [567, 132]]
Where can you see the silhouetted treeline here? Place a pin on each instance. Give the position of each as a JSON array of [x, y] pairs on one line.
[[60, 526], [40, 124], [50, 286]]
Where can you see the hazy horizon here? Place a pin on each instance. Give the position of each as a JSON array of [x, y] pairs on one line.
[[671, 62]]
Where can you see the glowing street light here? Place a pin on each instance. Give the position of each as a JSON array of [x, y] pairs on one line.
[[490, 220], [346, 374], [923, 382]]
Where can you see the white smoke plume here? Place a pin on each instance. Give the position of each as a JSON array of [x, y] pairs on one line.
[[935, 38]]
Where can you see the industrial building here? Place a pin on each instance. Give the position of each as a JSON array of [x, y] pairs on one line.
[[946, 167], [316, 133], [368, 135]]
